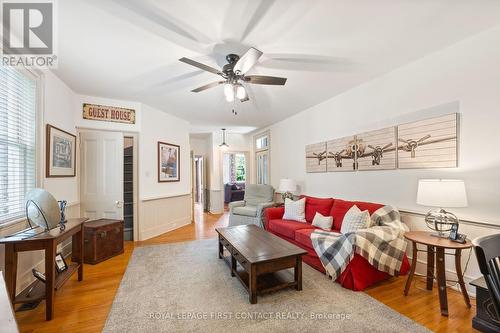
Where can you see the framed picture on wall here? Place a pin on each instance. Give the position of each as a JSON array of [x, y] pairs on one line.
[[60, 158], [169, 162]]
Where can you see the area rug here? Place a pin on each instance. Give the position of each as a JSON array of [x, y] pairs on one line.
[[184, 287]]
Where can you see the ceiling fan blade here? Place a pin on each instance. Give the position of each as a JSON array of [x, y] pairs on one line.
[[247, 61], [208, 86], [263, 79], [200, 65]]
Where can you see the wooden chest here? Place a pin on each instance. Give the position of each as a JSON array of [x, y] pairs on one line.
[[103, 239]]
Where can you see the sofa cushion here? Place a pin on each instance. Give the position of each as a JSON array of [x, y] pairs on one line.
[[287, 228], [245, 211], [340, 208], [303, 237], [320, 205]]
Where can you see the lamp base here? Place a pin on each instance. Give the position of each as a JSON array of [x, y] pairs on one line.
[[441, 222], [286, 195]]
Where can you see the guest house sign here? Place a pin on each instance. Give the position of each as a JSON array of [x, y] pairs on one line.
[[108, 113]]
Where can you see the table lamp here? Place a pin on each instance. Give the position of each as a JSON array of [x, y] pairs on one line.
[[442, 193], [287, 186]]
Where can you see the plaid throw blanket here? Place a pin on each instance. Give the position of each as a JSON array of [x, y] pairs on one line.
[[382, 245]]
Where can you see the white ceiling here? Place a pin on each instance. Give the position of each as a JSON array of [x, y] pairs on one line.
[[130, 49]]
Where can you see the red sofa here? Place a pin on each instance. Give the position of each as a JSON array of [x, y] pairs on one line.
[[359, 274]]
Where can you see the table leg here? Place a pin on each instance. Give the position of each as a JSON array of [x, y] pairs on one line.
[[412, 270], [298, 273], [50, 253], [252, 284], [430, 266], [78, 240], [441, 277], [233, 266], [10, 270], [221, 249], [460, 275]]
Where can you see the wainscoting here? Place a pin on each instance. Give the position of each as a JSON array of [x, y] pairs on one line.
[[216, 202], [159, 215]]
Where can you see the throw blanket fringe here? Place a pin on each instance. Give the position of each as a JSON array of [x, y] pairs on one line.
[[382, 245]]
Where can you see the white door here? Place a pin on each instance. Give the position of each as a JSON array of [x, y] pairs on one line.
[[101, 187]]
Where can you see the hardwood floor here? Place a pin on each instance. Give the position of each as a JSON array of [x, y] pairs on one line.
[[84, 306]]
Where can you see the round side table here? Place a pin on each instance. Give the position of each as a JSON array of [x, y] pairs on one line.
[[436, 247]]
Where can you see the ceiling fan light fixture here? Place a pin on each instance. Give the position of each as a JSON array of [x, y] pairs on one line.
[[229, 92], [241, 93]]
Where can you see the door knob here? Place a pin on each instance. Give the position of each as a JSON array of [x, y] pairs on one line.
[[118, 203]]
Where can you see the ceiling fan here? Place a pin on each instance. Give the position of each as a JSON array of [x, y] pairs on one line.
[[234, 74]]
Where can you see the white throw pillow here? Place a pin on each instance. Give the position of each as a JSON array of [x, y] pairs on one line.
[[323, 222], [355, 219], [295, 210]]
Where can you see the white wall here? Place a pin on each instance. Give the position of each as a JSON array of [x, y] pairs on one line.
[[58, 103], [106, 125], [152, 125], [160, 126], [464, 77]]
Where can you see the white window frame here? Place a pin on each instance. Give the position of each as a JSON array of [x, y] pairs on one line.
[[261, 150], [259, 136], [20, 223]]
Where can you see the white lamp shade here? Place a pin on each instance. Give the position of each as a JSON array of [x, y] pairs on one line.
[[229, 92], [288, 185], [443, 193]]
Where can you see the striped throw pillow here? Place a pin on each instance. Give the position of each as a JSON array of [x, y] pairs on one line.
[[295, 210]]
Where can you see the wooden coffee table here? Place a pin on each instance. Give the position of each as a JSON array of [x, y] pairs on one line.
[[261, 256]]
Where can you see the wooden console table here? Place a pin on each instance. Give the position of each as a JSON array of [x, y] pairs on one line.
[[435, 248], [44, 241]]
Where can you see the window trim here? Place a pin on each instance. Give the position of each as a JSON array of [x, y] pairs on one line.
[[20, 223], [268, 150], [259, 136]]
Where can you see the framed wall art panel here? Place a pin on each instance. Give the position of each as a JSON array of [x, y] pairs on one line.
[[341, 154], [169, 161], [429, 143], [60, 153], [316, 157], [377, 149]]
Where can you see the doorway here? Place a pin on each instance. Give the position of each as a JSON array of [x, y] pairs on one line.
[[234, 175], [128, 187], [200, 187], [108, 177]]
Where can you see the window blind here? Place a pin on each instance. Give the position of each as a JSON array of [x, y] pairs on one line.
[[17, 141]]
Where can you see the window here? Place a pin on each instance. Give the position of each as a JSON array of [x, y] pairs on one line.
[[262, 149], [262, 142], [17, 141], [234, 168]]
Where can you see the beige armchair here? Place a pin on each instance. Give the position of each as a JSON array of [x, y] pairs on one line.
[[250, 210]]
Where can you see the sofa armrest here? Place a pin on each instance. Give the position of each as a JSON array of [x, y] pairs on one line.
[[235, 204], [262, 206], [273, 213]]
